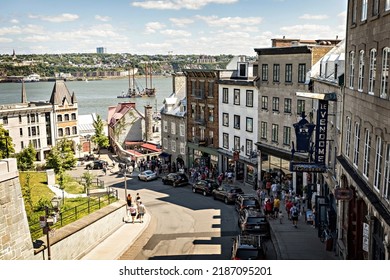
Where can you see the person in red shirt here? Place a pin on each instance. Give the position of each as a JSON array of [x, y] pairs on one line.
[[268, 207], [289, 205]]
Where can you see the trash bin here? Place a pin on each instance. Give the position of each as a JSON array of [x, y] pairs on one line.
[[329, 244]]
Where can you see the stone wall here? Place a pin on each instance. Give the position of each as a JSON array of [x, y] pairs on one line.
[[15, 240]]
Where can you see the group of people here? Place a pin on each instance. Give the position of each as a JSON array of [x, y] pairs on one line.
[[136, 211]]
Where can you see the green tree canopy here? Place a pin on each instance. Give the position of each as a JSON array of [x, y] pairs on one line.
[[61, 157], [6, 145], [100, 139], [26, 158]]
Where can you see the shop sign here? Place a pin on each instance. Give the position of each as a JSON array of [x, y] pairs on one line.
[[366, 238], [321, 131], [307, 167], [343, 194]]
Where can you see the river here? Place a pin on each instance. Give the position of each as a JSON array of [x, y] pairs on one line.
[[92, 96]]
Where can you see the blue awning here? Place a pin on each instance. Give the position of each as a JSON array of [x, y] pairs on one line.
[[164, 155]]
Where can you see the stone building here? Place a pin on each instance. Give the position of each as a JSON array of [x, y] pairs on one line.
[[283, 71], [202, 118], [238, 123], [365, 151]]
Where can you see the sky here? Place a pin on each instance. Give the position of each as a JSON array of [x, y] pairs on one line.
[[202, 27]]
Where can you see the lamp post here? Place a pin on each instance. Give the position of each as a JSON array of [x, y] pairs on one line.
[[50, 218], [89, 142]]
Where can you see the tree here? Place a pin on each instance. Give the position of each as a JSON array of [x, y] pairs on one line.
[[88, 178], [6, 145], [99, 139], [61, 157], [26, 158]]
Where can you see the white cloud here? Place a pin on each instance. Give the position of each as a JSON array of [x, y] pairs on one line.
[[308, 31], [230, 21], [5, 40], [102, 18], [178, 4], [10, 30], [14, 21], [313, 17], [57, 19], [35, 39], [175, 33], [181, 22], [152, 27]]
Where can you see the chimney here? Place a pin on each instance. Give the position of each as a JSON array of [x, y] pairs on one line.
[[148, 123]]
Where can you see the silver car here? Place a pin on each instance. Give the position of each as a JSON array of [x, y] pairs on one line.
[[147, 175]]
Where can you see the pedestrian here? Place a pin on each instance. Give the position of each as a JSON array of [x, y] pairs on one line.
[[276, 207], [133, 212], [220, 179], [288, 206], [129, 200], [294, 215], [280, 216], [141, 211], [268, 208], [137, 199]]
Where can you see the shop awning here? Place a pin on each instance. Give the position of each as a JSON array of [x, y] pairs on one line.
[[164, 155], [151, 147]]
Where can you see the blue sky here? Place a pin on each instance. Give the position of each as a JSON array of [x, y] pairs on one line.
[[163, 27]]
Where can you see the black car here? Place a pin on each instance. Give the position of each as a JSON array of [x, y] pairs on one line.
[[205, 187], [254, 222], [96, 164], [248, 247], [245, 201], [227, 193], [175, 179]]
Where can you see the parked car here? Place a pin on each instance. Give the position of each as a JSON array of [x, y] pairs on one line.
[[96, 164], [254, 222], [205, 187], [175, 179], [227, 193], [247, 201], [248, 247], [147, 175]]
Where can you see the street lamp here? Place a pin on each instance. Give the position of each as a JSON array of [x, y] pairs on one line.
[[89, 142], [50, 218]]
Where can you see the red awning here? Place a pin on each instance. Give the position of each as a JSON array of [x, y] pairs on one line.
[[151, 147]]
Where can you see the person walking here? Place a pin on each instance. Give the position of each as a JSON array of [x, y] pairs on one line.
[[289, 205], [276, 207], [294, 215], [141, 211], [133, 212], [128, 204]]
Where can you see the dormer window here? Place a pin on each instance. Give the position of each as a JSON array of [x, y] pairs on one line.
[[242, 70]]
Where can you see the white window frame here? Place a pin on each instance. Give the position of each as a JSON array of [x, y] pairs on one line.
[[356, 144], [371, 81], [173, 128], [264, 130], [182, 130], [367, 151], [386, 177], [384, 93], [387, 5], [165, 126], [173, 145], [348, 136], [351, 68], [378, 163], [165, 143], [361, 71], [182, 148], [275, 133], [364, 10]]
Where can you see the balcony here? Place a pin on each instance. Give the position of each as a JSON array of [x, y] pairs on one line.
[[200, 120]]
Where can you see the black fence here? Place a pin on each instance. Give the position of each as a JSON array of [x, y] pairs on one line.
[[70, 215]]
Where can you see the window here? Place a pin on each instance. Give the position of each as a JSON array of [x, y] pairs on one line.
[[361, 71], [275, 130], [237, 121], [263, 130], [385, 73], [165, 126], [386, 181], [193, 110], [236, 143], [182, 130], [193, 88], [301, 73], [351, 69], [211, 114], [264, 72], [165, 143], [73, 116], [375, 7], [59, 118], [367, 150], [287, 105], [242, 70], [5, 120], [60, 132], [276, 73], [21, 131], [173, 128], [22, 145], [20, 119], [225, 95], [371, 81], [378, 163], [182, 148], [67, 131], [387, 5], [288, 77], [286, 135], [249, 124], [211, 89], [264, 102], [275, 104], [356, 145], [249, 145], [348, 136], [354, 9], [236, 97], [32, 116], [66, 117], [300, 106], [74, 130], [173, 146], [364, 10], [226, 141], [211, 137], [225, 119], [249, 98]]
